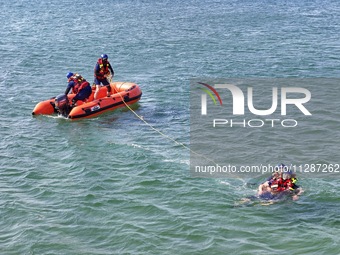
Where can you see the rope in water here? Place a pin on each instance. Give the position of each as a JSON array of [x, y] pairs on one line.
[[162, 134]]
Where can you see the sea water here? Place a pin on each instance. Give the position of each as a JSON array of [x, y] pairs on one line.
[[113, 185]]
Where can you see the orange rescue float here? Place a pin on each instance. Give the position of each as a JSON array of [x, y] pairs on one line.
[[123, 93]]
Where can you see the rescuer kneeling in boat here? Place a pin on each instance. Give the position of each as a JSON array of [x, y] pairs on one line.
[[79, 86], [102, 71]]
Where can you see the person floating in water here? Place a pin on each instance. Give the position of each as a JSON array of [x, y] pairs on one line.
[[282, 182]]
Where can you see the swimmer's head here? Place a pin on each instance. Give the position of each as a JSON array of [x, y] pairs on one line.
[[276, 175], [287, 175]]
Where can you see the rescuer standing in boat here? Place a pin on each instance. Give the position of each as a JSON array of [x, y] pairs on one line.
[[102, 71]]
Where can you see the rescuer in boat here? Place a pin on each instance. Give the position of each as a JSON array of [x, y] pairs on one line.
[[102, 71], [282, 182], [79, 86]]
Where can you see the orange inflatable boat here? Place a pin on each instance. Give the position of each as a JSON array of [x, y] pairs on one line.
[[127, 92]]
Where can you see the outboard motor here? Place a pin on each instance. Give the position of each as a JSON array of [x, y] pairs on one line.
[[62, 105]]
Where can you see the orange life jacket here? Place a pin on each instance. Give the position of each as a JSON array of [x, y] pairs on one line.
[[282, 185], [288, 184], [277, 185], [79, 83], [103, 69], [82, 85]]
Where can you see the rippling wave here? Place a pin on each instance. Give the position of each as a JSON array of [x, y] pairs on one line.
[[111, 185]]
